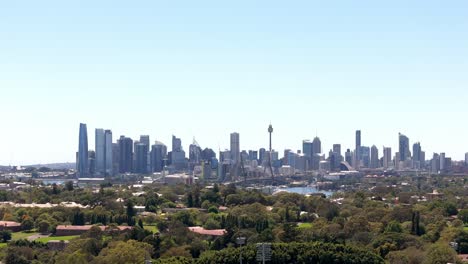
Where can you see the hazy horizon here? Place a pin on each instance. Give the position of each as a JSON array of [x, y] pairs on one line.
[[206, 69]]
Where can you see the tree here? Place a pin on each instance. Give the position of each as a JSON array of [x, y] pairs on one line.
[[94, 232], [130, 213], [5, 235], [463, 215], [27, 224], [69, 186], [394, 227], [124, 253], [140, 223], [15, 256], [44, 227], [441, 254], [190, 200]]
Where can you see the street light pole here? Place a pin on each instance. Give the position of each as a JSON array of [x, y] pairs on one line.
[[240, 241]]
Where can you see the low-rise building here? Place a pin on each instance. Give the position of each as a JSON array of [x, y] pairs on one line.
[[73, 230], [10, 225]]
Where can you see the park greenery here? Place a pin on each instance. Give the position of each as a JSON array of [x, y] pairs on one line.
[[384, 224]]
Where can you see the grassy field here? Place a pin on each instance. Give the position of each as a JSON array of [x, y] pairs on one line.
[[153, 229], [3, 245], [305, 225], [64, 238], [466, 228], [21, 235]]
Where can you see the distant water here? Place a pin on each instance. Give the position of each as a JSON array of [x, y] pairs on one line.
[[304, 190], [50, 182]]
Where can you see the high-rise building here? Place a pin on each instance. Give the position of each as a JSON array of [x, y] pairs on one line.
[[337, 149], [404, 150], [316, 146], [178, 160], [100, 150], [307, 148], [141, 160], [349, 156], [158, 154], [82, 163], [387, 158], [235, 148], [466, 158], [91, 162], [103, 146], [208, 154], [357, 151], [442, 165], [253, 155], [126, 154], [374, 157], [365, 156], [418, 156], [261, 156], [195, 153], [435, 163], [176, 144], [115, 157], [145, 139], [108, 158], [286, 157]]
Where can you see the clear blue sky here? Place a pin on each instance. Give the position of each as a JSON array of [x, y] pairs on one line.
[[207, 68]]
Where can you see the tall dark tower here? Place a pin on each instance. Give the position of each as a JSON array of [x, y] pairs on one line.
[[270, 131], [83, 168]]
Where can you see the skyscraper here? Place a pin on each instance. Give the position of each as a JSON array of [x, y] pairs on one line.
[[261, 156], [103, 152], [145, 139], [316, 146], [404, 150], [417, 156], [357, 151], [365, 156], [115, 157], [443, 165], [100, 150], [195, 153], [435, 163], [126, 154], [141, 153], [307, 148], [253, 155], [374, 157], [82, 165], [176, 144], [349, 156], [158, 154], [337, 149], [178, 160], [109, 159], [235, 148], [387, 158]]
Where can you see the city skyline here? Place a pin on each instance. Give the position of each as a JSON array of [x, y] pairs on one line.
[[139, 156], [185, 144], [207, 69]]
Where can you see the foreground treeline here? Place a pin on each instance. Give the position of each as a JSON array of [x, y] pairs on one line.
[[299, 253], [384, 223]]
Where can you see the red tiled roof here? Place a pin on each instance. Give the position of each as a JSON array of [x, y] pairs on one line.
[[9, 223], [88, 227], [203, 231]]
